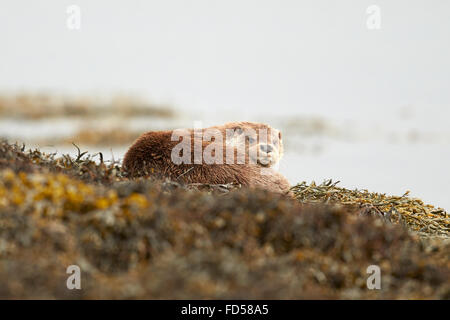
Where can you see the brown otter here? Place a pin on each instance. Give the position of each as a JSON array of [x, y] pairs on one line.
[[261, 142], [203, 156]]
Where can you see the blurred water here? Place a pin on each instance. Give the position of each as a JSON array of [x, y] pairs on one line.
[[359, 156]]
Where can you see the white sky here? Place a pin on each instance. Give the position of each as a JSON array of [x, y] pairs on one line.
[[249, 56]]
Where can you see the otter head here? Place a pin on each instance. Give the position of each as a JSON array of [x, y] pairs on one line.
[[264, 142]]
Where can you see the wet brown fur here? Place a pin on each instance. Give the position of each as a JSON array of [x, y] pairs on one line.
[[150, 155]]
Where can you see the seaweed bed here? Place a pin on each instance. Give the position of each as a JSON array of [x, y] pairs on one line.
[[40, 106], [162, 240]]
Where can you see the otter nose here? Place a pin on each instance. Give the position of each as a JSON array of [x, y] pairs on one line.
[[266, 148]]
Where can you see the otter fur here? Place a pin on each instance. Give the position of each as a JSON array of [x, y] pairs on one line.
[[152, 155]]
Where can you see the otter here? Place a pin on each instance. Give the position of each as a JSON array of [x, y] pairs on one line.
[[264, 143], [235, 152]]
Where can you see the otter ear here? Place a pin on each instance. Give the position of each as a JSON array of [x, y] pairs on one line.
[[234, 134], [238, 130]]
